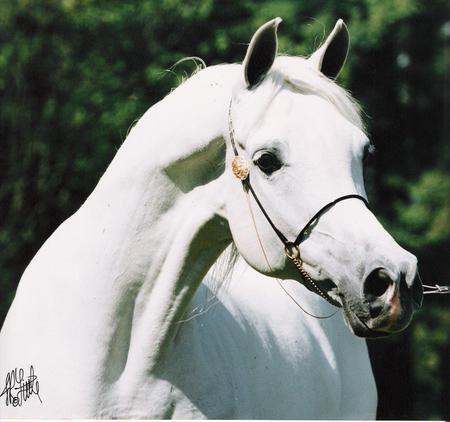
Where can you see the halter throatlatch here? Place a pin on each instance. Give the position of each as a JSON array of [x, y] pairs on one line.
[[240, 169]]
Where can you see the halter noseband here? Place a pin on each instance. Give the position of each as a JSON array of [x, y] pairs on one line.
[[240, 169]]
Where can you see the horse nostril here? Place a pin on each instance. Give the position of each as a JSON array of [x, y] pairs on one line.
[[376, 284]]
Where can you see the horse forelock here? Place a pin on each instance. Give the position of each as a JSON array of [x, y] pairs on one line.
[[296, 73]]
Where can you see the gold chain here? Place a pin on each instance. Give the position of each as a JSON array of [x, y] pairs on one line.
[[299, 264]]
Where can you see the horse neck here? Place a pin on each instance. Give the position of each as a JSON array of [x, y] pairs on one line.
[[156, 220]]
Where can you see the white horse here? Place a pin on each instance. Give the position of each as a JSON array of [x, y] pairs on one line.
[[100, 326]]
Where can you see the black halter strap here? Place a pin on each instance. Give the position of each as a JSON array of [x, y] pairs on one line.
[[248, 186], [323, 210], [292, 248], [241, 171]]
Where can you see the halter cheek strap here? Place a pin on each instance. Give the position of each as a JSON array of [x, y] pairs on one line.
[[241, 170]]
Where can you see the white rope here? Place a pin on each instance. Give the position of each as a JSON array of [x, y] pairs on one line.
[[436, 289]]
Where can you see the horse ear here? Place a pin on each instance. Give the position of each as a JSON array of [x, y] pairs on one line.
[[330, 57], [261, 52]]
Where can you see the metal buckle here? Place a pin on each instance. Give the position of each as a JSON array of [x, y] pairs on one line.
[[291, 250]]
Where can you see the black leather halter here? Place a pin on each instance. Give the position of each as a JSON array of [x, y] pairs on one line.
[[241, 171]]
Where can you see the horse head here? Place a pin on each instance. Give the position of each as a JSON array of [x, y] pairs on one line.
[[297, 143]]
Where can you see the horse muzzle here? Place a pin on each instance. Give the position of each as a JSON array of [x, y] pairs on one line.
[[386, 306]]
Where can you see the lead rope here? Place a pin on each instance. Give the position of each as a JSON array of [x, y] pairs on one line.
[[436, 289], [300, 268]]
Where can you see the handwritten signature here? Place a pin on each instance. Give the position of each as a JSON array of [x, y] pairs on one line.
[[19, 388]]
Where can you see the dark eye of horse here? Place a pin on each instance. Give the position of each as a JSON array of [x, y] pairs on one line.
[[268, 162]]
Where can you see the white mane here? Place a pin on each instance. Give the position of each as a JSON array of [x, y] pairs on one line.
[[298, 74]]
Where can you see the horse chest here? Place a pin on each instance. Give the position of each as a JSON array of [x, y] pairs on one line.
[[241, 360]]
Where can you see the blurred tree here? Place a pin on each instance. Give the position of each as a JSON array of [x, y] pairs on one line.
[[75, 74]]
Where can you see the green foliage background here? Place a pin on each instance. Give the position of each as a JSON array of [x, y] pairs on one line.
[[75, 74]]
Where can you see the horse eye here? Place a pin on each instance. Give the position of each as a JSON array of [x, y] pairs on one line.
[[268, 162]]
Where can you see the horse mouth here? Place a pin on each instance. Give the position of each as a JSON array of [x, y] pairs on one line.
[[331, 293], [334, 296], [359, 328], [330, 288], [325, 288], [357, 325]]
